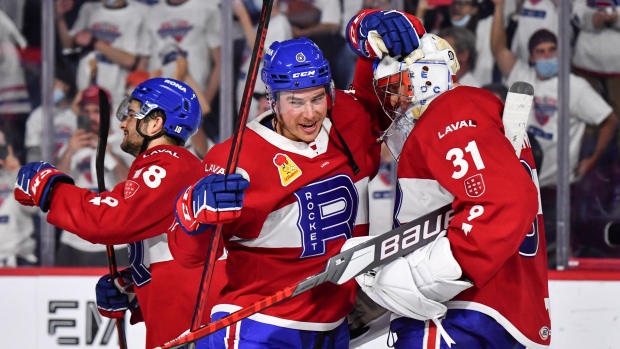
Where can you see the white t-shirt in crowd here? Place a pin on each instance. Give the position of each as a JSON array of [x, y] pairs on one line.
[[64, 121], [122, 28], [13, 93], [194, 27], [468, 79], [483, 70], [279, 30], [535, 15], [82, 170], [596, 50], [586, 106], [16, 225]]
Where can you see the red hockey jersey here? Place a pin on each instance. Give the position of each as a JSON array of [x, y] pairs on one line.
[[457, 153], [138, 212], [303, 202]]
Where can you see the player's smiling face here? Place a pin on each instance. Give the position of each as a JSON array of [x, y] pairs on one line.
[[132, 140], [301, 113]]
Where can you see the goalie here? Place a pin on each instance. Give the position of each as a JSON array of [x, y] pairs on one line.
[[483, 282]]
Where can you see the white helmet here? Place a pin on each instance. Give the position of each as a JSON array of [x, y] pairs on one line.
[[405, 86]]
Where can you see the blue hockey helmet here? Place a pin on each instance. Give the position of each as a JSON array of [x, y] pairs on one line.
[[176, 99], [294, 65]]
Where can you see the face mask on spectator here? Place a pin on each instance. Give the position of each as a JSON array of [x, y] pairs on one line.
[[59, 95], [461, 22], [547, 67]]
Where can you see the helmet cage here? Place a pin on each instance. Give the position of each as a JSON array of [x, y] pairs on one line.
[[395, 93]]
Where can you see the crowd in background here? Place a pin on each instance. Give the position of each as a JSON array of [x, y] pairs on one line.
[[115, 45]]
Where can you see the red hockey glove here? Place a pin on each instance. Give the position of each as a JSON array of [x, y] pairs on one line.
[[215, 199], [372, 33], [34, 184]]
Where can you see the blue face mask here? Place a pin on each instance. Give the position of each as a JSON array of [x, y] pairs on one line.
[[547, 68], [461, 22], [59, 95]]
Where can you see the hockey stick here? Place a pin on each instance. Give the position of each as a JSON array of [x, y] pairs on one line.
[[257, 54], [102, 143], [516, 112], [342, 267]]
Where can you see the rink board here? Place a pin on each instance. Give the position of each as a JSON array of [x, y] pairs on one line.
[[54, 308]]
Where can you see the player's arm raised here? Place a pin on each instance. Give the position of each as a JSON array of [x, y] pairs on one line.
[[128, 213]]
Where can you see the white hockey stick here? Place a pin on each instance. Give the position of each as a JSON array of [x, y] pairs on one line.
[[516, 112]]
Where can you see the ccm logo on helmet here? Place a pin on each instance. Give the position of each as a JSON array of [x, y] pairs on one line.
[[175, 84], [306, 73]]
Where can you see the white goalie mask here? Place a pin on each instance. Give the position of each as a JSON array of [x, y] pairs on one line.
[[405, 86]]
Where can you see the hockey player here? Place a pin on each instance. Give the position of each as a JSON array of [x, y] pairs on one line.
[[484, 284], [157, 120], [309, 160]]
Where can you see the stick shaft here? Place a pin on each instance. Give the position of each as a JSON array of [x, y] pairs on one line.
[[233, 159], [102, 143]]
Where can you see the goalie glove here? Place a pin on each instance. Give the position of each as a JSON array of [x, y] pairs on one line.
[[435, 271], [373, 33], [115, 297], [35, 182], [215, 199]]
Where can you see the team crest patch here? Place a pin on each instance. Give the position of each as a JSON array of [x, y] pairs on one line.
[[474, 186], [287, 168], [130, 189]]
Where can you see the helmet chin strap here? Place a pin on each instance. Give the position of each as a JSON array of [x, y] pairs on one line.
[[147, 139]]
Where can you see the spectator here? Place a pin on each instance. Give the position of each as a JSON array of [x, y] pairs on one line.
[[475, 15], [586, 106], [464, 43], [64, 119], [534, 15], [77, 159], [114, 31], [319, 20], [17, 247], [279, 30], [14, 101], [190, 28], [596, 48]]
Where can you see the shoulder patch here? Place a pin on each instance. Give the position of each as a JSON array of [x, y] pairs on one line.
[[130, 189]]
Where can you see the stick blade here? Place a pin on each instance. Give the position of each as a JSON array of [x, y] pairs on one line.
[[521, 87], [516, 113]]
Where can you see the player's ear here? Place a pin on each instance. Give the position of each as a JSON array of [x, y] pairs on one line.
[[155, 125]]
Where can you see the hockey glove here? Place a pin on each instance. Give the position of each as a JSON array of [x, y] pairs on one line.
[[215, 199], [35, 182], [115, 297], [373, 33]]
